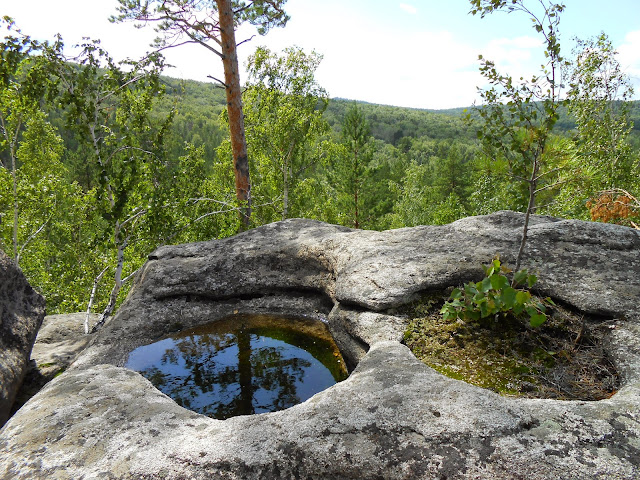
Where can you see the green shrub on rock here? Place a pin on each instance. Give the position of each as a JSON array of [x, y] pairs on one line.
[[496, 297]]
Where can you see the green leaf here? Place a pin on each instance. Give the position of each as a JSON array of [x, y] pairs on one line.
[[520, 277], [455, 294], [484, 310], [509, 297], [517, 309], [485, 285], [486, 268], [494, 304], [492, 268], [479, 298], [537, 319], [498, 282], [522, 297], [531, 280], [448, 314]]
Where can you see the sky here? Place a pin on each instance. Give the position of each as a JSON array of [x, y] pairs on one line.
[[410, 53]]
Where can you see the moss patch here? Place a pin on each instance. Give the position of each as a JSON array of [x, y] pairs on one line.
[[562, 359]]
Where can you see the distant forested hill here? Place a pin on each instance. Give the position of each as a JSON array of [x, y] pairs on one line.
[[198, 107], [390, 124], [200, 104]]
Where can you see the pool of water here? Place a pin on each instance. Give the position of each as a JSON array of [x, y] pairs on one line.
[[243, 365]]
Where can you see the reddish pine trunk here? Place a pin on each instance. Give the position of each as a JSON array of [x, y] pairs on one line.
[[234, 107]]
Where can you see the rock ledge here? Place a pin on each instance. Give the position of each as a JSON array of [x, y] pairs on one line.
[[393, 418]]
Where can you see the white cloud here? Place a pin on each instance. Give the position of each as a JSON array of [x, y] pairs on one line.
[[423, 70], [427, 69], [524, 42], [629, 58], [514, 53], [519, 57], [409, 8]]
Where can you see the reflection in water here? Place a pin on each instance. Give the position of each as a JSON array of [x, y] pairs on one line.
[[242, 365]]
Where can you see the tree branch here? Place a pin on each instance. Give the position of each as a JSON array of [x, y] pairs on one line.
[[246, 40], [132, 218], [217, 80], [31, 237], [131, 275], [96, 281]]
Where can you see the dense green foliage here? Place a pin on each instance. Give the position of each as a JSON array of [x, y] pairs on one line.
[[517, 117], [495, 298], [101, 163], [283, 107]]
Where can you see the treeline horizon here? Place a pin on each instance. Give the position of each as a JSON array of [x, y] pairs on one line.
[[201, 103], [102, 163], [388, 113]]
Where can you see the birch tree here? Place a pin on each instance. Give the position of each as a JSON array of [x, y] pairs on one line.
[[284, 117], [109, 107], [25, 79], [517, 116], [600, 97], [46, 220]]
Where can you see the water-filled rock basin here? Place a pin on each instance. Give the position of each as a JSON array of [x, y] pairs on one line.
[[242, 365]]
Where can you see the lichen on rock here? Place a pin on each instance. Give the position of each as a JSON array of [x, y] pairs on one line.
[[394, 417]]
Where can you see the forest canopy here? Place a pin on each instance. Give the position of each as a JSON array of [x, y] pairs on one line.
[[101, 162]]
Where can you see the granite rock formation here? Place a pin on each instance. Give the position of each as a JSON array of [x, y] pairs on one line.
[[394, 417], [21, 312]]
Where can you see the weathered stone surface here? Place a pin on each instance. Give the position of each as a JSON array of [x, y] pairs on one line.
[[60, 340], [393, 417], [21, 313]]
